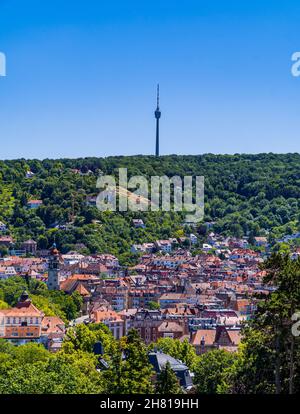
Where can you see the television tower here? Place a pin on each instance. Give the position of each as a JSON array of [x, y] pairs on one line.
[[157, 114]]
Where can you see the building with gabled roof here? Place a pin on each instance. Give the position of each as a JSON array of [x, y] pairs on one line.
[[219, 337], [26, 323], [29, 246], [22, 323], [170, 329], [6, 241], [111, 319], [159, 360], [32, 204]]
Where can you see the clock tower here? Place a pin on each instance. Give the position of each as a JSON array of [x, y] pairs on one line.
[[53, 268]]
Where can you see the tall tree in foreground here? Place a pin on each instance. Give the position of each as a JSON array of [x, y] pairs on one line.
[[209, 370], [167, 382], [130, 371], [268, 361], [136, 370], [31, 369]]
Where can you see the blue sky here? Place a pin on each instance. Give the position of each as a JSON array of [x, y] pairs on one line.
[[81, 77]]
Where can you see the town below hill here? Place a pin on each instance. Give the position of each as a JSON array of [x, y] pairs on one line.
[[168, 307], [55, 201]]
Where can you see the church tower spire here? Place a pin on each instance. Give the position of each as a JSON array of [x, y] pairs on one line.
[[157, 114]]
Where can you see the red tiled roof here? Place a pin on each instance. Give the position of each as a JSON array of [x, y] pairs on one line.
[[170, 327], [106, 314], [208, 335], [29, 311], [22, 332], [52, 324], [82, 290]]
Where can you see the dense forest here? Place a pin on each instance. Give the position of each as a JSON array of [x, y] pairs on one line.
[[244, 195]]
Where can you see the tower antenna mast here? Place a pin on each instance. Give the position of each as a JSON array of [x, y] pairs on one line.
[[157, 114]]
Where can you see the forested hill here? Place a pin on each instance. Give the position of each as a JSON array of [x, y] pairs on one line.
[[243, 194]]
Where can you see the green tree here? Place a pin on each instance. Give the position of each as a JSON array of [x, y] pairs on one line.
[[209, 370], [3, 305], [30, 369], [133, 374], [268, 360], [153, 305], [182, 350], [83, 338], [167, 382]]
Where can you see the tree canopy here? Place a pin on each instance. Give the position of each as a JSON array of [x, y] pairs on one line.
[[244, 194]]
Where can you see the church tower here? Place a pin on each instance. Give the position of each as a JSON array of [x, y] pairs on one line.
[[53, 268], [157, 114]]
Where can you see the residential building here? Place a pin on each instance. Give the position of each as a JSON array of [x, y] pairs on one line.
[[219, 337], [6, 241], [22, 323], [111, 319], [25, 323], [164, 245], [32, 204], [159, 360], [3, 227], [261, 241], [29, 174], [193, 239], [145, 321], [7, 271], [168, 300], [138, 223], [170, 329], [29, 246]]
